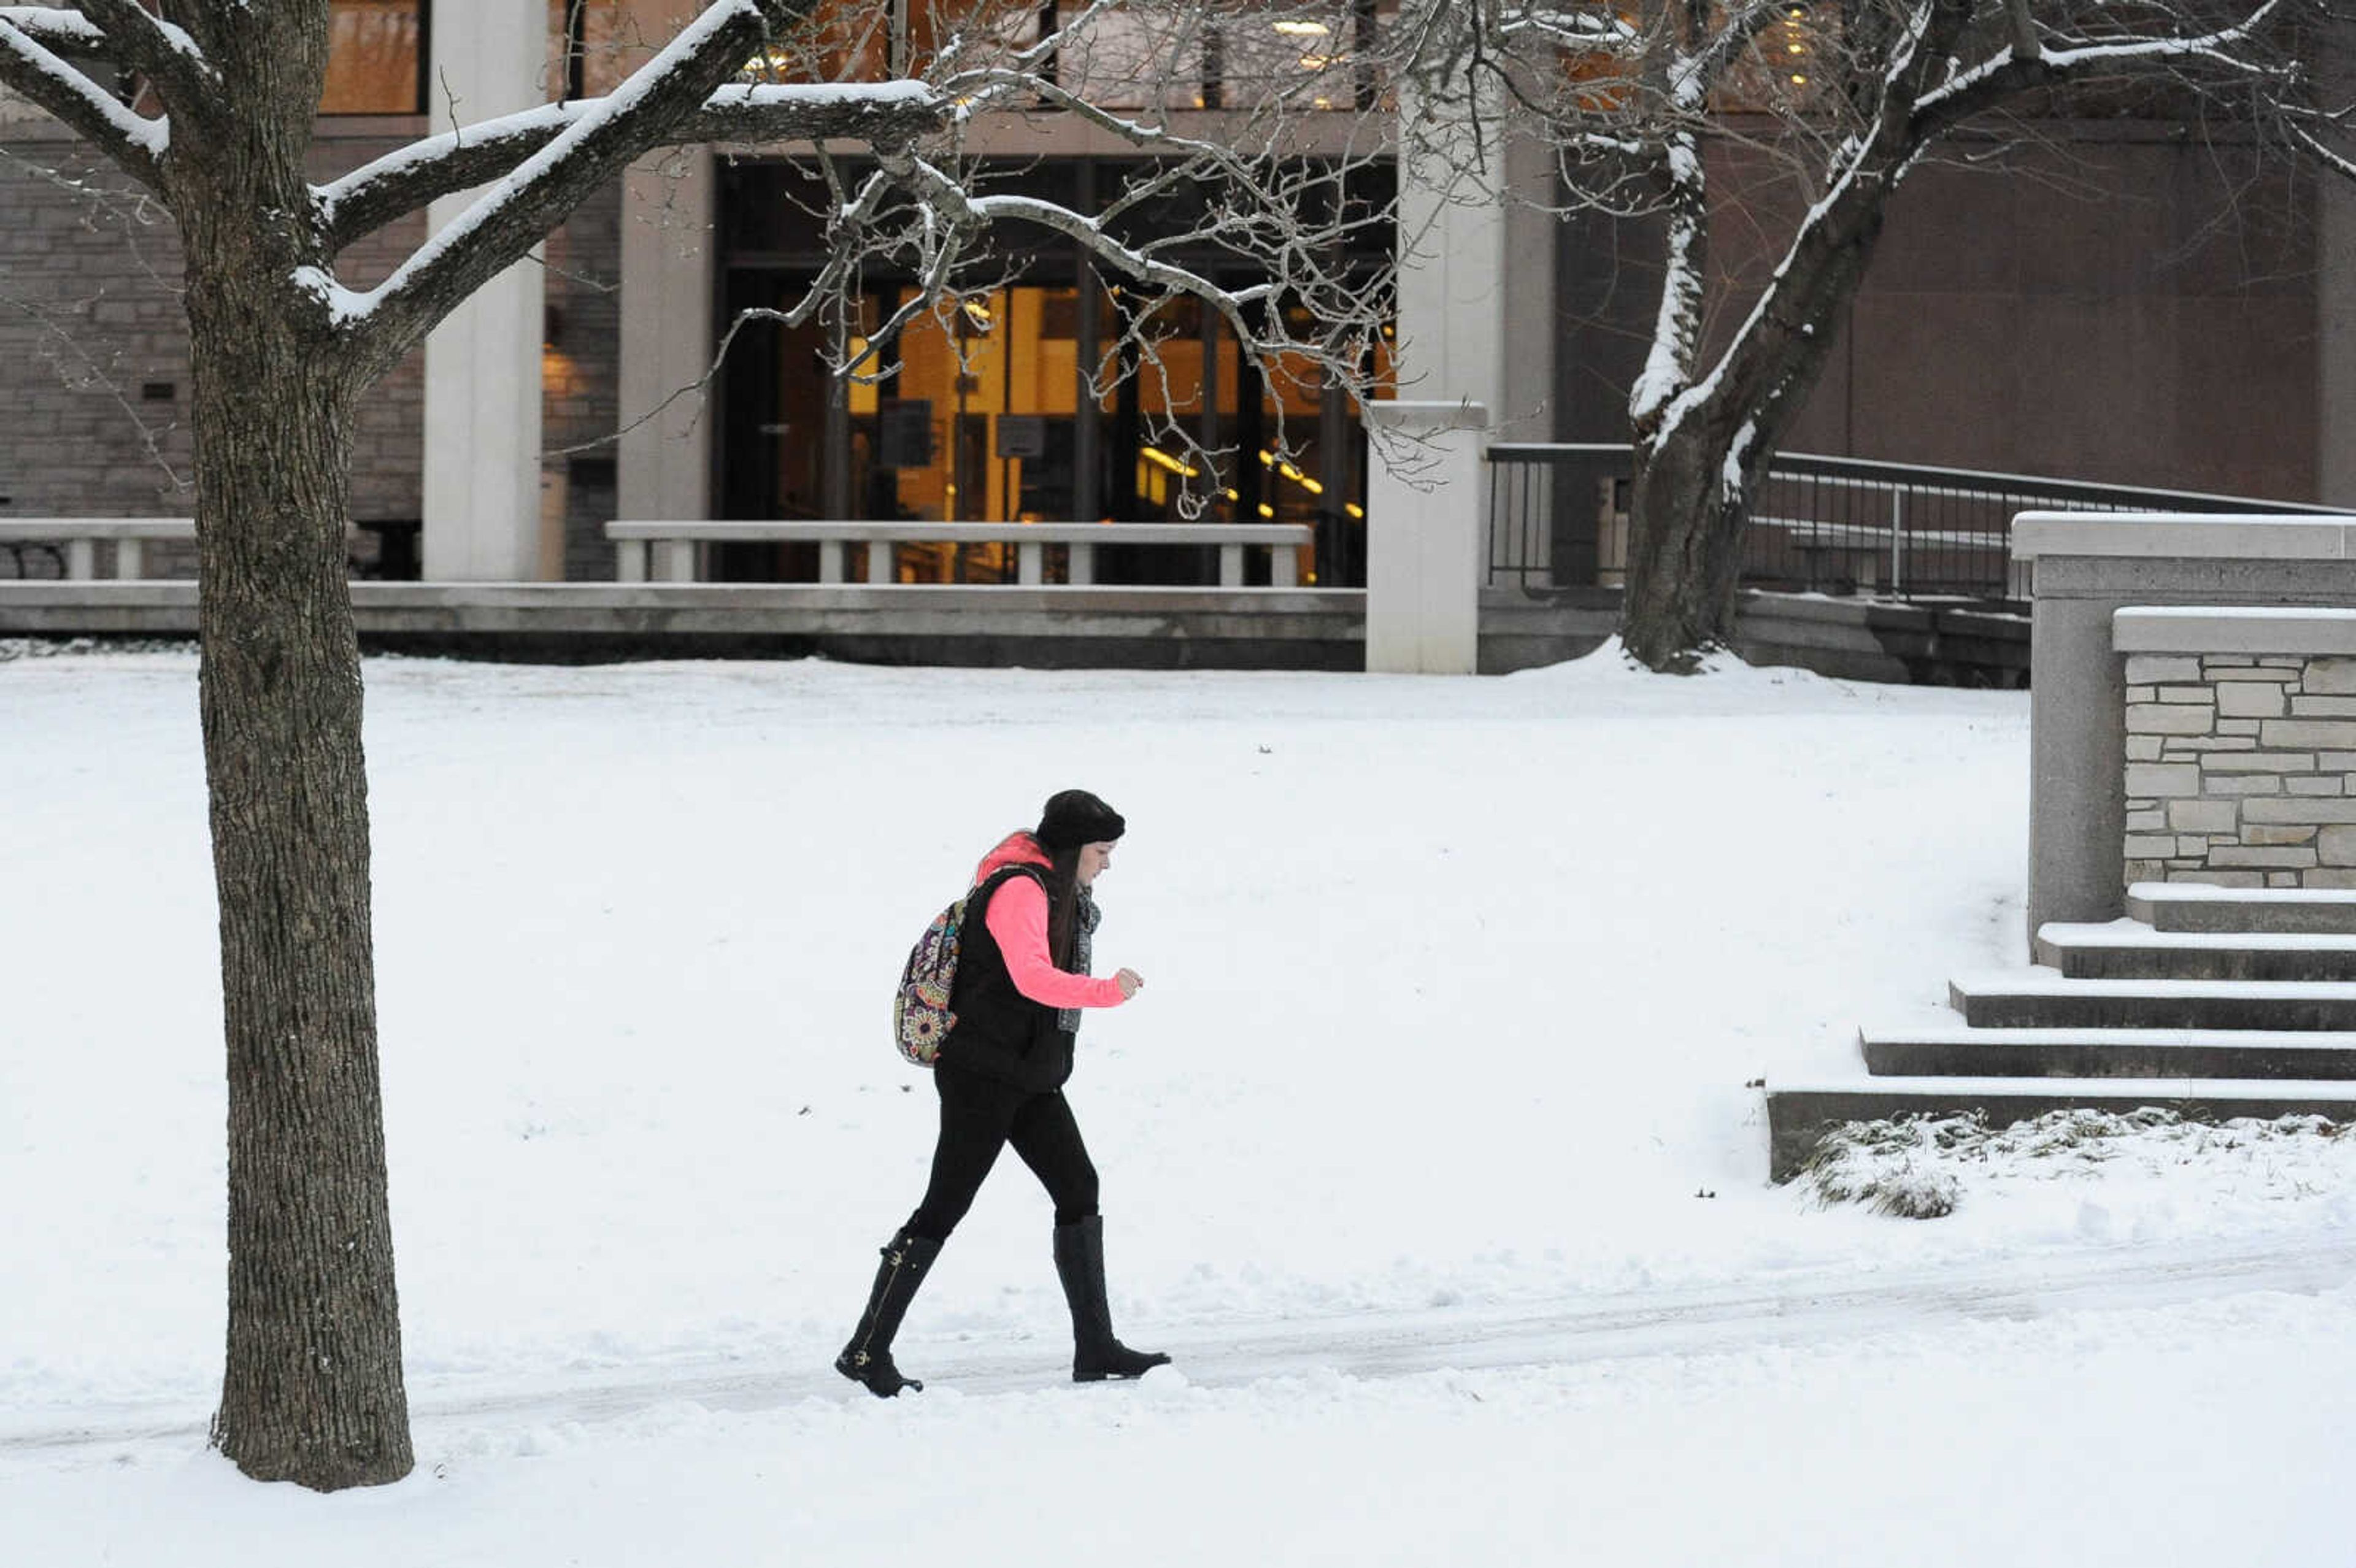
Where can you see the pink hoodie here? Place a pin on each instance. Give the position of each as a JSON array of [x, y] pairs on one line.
[[1018, 922]]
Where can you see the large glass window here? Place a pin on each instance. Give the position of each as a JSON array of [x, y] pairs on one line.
[[376, 54], [1314, 54], [1050, 396]]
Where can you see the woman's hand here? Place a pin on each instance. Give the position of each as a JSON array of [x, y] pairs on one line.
[[1131, 983]]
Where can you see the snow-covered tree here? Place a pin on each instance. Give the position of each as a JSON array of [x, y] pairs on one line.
[[209, 105], [1852, 95]]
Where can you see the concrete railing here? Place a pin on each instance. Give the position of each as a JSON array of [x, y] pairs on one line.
[[673, 545], [80, 538]]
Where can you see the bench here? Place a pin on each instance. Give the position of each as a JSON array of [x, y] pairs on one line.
[[80, 537], [673, 545]]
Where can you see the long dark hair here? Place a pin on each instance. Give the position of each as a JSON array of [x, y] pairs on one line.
[[1063, 903]]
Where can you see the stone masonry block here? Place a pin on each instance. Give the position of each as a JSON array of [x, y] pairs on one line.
[[2322, 707], [2216, 879], [2237, 855], [2146, 847], [2168, 718], [2146, 871], [2143, 748], [2274, 677], [2180, 694], [2283, 878], [2258, 762], [2238, 727], [2214, 662], [2325, 677], [2337, 761], [2322, 784], [2143, 693], [2147, 822], [2163, 779], [2205, 815], [2197, 849], [2328, 877], [2338, 846], [2288, 733], [2259, 834], [2150, 669], [2192, 745], [2301, 809], [2247, 699]]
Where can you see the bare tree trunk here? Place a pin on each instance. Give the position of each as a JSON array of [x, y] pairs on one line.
[[1697, 469], [1684, 551], [313, 1390]]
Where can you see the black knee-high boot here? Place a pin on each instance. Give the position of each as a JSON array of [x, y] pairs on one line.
[[867, 1359], [1095, 1354]]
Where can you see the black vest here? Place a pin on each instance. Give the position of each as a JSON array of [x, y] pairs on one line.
[[1001, 1032]]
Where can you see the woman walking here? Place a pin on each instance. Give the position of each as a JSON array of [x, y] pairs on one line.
[[1021, 979]]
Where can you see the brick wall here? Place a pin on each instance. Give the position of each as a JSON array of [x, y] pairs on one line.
[[94, 355], [2240, 770]]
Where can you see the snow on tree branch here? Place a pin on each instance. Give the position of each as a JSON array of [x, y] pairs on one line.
[[409, 178], [55, 29], [158, 50], [35, 70], [517, 209]]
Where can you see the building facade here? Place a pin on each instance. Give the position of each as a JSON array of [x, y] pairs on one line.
[[2122, 304]]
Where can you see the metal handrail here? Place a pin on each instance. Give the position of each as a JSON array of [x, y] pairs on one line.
[[1559, 519]]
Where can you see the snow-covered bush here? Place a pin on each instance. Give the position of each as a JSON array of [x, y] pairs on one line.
[[1915, 1166]]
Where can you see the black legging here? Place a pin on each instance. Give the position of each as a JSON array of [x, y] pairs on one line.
[[980, 1115]]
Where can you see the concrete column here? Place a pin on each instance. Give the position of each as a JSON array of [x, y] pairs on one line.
[[1452, 242], [1470, 261], [2335, 294], [1424, 537], [482, 492], [664, 464]]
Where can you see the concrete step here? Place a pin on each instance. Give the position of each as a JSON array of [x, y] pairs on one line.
[[1799, 1113], [2195, 906], [2043, 998], [2132, 950], [2107, 1053]]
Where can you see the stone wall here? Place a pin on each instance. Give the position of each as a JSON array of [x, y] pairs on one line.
[[2241, 769]]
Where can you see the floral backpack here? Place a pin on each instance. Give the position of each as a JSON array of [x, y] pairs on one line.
[[921, 1018]]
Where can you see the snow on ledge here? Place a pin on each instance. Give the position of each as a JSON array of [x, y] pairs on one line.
[[2232, 629], [2196, 536], [2210, 893]]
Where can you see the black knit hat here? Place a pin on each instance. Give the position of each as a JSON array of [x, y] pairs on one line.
[[1073, 817]]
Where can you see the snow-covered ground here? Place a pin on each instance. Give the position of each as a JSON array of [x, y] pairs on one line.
[[1431, 1147]]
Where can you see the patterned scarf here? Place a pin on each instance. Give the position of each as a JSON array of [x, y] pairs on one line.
[[1084, 916]]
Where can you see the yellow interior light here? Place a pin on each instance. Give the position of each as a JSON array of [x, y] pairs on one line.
[[1798, 80], [1355, 510], [1162, 460], [1302, 29], [1266, 510], [1311, 485]]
